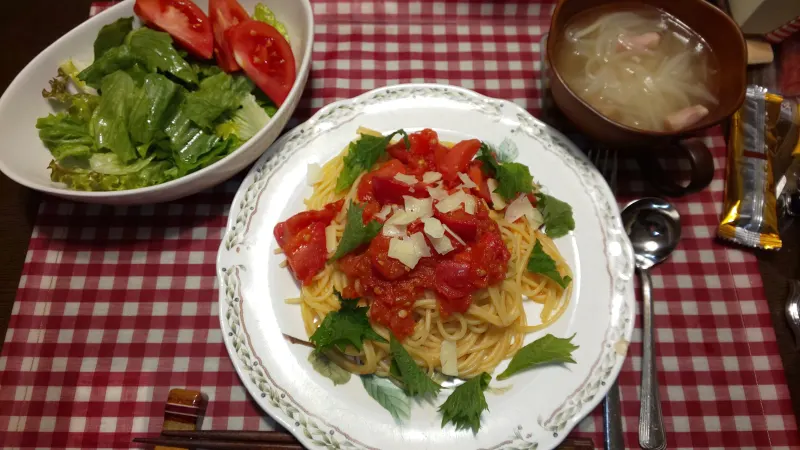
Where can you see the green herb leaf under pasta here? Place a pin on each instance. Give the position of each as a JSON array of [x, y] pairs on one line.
[[404, 367], [388, 395], [328, 369]]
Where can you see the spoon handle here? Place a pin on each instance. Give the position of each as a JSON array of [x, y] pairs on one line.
[[651, 422], [612, 420]]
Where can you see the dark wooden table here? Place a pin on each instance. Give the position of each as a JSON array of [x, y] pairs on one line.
[[27, 27]]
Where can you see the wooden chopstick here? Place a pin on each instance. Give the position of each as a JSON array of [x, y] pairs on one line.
[[215, 444], [273, 440], [277, 437]]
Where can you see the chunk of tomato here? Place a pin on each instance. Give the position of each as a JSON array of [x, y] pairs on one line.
[[370, 209], [489, 260], [388, 268], [453, 279], [225, 14], [389, 190], [456, 159], [285, 230], [183, 20], [463, 224], [265, 56], [306, 252], [398, 151], [388, 169]]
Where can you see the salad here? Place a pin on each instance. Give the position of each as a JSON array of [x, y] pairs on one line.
[[167, 99]]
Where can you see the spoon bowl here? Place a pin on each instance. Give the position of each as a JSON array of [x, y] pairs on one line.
[[654, 227]]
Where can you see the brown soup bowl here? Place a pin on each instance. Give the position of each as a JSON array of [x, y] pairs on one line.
[[723, 38]]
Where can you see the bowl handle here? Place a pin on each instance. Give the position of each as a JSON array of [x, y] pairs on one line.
[[700, 159]]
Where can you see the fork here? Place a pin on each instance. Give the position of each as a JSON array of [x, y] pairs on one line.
[[606, 162]]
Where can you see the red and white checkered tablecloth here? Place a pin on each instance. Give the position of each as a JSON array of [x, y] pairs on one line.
[[118, 305]]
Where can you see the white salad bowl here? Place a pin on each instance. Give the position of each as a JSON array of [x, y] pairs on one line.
[[24, 158]]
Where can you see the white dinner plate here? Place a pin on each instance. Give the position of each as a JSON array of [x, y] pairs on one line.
[[542, 405]]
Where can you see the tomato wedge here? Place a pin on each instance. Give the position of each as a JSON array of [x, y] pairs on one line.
[[453, 279], [284, 231], [456, 159], [463, 224], [388, 268], [389, 190], [183, 20], [265, 56], [389, 169], [306, 252], [225, 14]]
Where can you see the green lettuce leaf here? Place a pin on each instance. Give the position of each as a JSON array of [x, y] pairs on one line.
[[156, 172], [218, 94], [155, 50], [138, 73], [264, 14], [112, 35], [65, 136], [110, 164], [113, 60], [109, 124], [247, 120], [188, 142], [151, 109], [205, 69], [265, 102], [221, 149]]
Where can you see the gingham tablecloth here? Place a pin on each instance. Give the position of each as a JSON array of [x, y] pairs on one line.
[[118, 305]]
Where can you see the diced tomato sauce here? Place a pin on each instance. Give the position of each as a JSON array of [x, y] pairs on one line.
[[390, 286], [454, 277]]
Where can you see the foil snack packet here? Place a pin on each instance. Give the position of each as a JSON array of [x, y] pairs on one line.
[[749, 214]]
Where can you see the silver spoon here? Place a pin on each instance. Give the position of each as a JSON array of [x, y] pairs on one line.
[[654, 227]]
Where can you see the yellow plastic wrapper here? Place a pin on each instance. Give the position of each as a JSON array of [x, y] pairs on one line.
[[749, 216]]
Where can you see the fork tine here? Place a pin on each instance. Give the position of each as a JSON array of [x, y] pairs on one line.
[[614, 171]]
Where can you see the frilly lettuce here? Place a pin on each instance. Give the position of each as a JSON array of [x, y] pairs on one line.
[[264, 14], [155, 172]]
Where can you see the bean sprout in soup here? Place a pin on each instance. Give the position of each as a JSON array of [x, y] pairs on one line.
[[640, 67]]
